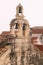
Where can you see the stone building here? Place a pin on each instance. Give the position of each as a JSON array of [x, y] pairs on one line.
[[21, 51]]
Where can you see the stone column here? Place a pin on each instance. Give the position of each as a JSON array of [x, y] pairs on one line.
[[22, 57], [25, 59], [18, 58]]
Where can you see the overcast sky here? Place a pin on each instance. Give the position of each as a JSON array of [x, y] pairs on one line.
[[33, 11]]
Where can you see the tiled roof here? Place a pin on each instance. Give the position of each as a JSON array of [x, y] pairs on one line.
[[38, 27], [40, 47], [37, 31], [5, 33]]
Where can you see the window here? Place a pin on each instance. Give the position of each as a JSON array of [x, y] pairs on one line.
[[41, 37], [24, 26], [20, 10], [16, 25], [30, 33]]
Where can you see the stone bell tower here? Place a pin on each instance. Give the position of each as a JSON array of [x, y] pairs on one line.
[[20, 30], [19, 26]]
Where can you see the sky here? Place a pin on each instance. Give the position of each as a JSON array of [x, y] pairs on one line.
[[33, 12]]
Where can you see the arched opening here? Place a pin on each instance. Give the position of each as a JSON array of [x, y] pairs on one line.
[[16, 25], [20, 9], [16, 29], [24, 28]]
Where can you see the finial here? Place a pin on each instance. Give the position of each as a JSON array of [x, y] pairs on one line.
[[19, 3]]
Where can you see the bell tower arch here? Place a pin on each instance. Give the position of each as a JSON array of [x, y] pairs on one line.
[[19, 26], [19, 11]]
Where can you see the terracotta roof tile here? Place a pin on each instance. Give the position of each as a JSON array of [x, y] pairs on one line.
[[40, 47], [5, 33], [37, 31]]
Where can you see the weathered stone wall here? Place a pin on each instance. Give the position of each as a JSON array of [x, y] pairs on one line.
[[5, 58]]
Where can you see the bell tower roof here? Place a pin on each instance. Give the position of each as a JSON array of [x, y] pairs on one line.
[[19, 11]]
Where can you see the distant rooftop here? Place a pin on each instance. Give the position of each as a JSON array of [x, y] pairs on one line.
[[38, 27]]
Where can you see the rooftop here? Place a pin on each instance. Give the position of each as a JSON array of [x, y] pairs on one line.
[[3, 50]]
